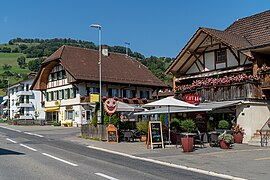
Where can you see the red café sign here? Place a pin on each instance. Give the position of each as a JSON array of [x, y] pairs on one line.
[[192, 98]]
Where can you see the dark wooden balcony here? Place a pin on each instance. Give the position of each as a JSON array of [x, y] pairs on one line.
[[236, 91]]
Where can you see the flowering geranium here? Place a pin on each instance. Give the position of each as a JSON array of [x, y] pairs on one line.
[[216, 81], [238, 129], [264, 68]]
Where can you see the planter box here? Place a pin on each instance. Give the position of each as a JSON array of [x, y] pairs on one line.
[[187, 144]]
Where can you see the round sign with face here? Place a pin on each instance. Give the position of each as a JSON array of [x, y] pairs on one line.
[[110, 106]]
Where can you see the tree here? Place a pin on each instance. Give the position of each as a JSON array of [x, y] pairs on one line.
[[23, 46], [6, 67], [21, 62], [35, 64]]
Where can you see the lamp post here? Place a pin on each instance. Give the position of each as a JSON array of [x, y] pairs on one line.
[[99, 63]]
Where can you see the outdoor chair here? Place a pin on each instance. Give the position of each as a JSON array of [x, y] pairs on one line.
[[214, 139], [128, 136], [178, 140], [199, 139]]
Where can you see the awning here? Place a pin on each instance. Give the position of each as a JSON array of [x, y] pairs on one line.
[[121, 106], [51, 109], [203, 107]]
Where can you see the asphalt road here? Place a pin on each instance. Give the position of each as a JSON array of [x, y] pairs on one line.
[[45, 155]]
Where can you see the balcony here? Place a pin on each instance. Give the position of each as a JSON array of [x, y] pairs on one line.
[[243, 90], [24, 105], [24, 93]]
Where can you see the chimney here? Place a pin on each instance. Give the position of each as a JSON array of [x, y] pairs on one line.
[[105, 50]]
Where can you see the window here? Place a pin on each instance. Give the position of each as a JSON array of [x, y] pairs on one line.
[[113, 92], [51, 94], [70, 115], [67, 93], [221, 56], [60, 94], [63, 94], [56, 95], [74, 92], [47, 96], [144, 94], [92, 90], [127, 93], [27, 87]]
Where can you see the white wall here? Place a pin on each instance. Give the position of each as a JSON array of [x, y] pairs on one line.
[[251, 116], [209, 61]]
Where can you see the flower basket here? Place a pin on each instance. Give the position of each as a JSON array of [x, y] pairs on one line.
[[238, 133], [238, 138], [225, 140]]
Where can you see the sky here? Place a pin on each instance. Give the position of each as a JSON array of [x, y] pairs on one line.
[[152, 27]]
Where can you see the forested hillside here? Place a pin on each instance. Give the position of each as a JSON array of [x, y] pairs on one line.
[[22, 56]]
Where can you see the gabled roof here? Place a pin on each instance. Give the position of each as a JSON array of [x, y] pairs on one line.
[[82, 65], [244, 33], [255, 28]]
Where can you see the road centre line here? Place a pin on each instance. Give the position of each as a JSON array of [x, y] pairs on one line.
[[201, 171], [11, 140], [28, 147], [106, 176], [38, 135], [59, 159]]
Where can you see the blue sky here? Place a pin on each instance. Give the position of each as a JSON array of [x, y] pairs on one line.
[[152, 27]]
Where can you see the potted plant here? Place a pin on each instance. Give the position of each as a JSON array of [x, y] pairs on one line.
[[187, 125], [174, 126], [225, 140], [238, 133], [142, 128], [223, 124]]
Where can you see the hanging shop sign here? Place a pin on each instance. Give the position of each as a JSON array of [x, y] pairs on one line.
[[192, 98], [110, 106]]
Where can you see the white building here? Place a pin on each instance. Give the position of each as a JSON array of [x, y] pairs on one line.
[[24, 104]]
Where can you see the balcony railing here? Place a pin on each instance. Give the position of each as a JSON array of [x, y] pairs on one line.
[[243, 90]]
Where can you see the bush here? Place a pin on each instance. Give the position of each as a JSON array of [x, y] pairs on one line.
[[142, 127], [175, 124], [188, 125], [55, 123], [223, 124]]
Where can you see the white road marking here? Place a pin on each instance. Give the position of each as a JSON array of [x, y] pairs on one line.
[[11, 140], [201, 171], [10, 129], [62, 160], [106, 176], [28, 147], [38, 135]]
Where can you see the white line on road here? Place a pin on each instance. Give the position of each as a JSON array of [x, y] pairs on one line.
[[38, 135], [62, 160], [11, 140], [10, 129], [106, 176], [28, 147], [201, 171]]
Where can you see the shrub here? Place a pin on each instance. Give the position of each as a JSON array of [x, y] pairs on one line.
[[188, 125], [142, 127], [175, 124], [55, 123], [227, 138], [223, 124]]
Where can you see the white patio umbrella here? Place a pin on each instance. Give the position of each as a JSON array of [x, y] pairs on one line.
[[169, 102]]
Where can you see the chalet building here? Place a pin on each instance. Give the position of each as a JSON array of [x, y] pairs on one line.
[[23, 103], [230, 66], [70, 76]]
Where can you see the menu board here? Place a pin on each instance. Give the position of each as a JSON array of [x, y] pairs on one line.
[[155, 133], [112, 135]]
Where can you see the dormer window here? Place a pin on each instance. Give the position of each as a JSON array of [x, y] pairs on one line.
[[221, 56]]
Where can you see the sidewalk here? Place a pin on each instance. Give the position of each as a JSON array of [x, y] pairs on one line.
[[244, 161]]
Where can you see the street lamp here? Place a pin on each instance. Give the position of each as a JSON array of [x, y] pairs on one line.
[[99, 63]]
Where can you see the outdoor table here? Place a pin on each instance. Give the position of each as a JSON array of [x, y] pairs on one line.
[[213, 137], [187, 134]]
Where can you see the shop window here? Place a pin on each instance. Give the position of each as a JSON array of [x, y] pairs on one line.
[[70, 115]]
